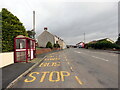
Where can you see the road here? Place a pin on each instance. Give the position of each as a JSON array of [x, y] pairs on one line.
[[74, 68]]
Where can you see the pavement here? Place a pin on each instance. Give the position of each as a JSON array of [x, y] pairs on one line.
[[74, 68], [11, 72]]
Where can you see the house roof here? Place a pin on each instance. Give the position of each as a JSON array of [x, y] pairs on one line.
[[52, 35]]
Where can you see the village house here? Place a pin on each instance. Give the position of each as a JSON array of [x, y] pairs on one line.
[[46, 37]]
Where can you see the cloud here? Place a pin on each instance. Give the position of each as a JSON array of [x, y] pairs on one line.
[[69, 20]]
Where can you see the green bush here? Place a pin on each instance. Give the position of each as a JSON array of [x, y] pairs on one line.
[[11, 27], [49, 45], [56, 46], [103, 45]]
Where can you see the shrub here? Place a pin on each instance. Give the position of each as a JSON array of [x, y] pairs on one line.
[[49, 45], [103, 45], [56, 46]]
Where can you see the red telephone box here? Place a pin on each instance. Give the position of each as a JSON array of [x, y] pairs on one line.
[[24, 48]]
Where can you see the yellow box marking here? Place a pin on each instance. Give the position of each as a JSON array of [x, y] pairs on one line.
[[51, 76], [33, 77], [78, 80], [43, 76], [62, 73]]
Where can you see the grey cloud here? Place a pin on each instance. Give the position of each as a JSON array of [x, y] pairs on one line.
[[69, 20]]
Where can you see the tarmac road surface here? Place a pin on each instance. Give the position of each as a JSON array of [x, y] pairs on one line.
[[74, 68]]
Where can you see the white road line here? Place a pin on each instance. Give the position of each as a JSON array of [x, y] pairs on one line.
[[93, 56], [114, 55], [81, 52], [77, 52], [100, 58]]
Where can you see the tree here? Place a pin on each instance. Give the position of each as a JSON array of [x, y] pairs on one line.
[[118, 40], [49, 45], [31, 33], [11, 27]]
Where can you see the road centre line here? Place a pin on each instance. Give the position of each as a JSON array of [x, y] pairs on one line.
[[100, 58], [95, 57], [80, 52], [68, 62], [79, 81], [77, 52], [71, 68]]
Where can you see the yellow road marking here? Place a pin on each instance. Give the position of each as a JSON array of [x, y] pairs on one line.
[[40, 64], [49, 59], [63, 75], [51, 64], [79, 81], [33, 77], [51, 76], [54, 76], [55, 63], [43, 76], [46, 64]]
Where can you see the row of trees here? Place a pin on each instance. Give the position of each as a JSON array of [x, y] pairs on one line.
[[49, 45], [102, 45]]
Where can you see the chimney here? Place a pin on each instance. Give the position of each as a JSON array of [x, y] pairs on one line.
[[45, 28]]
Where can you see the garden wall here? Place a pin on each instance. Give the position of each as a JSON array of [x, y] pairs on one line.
[[6, 59], [45, 50]]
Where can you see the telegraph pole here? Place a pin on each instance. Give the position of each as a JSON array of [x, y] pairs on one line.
[[84, 37], [34, 24]]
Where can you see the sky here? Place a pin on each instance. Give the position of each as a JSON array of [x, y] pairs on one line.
[[68, 19]]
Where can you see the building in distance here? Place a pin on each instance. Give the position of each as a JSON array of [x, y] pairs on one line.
[[80, 45], [46, 37]]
